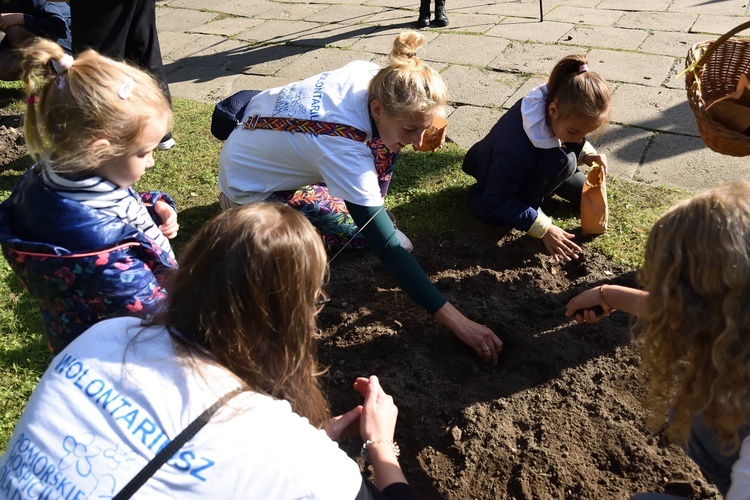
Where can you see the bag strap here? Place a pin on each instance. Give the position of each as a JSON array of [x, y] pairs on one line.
[[173, 447], [304, 126]]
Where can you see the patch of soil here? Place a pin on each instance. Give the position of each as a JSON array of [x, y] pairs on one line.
[[559, 416], [12, 145]]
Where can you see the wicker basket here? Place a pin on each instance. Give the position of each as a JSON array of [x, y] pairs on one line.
[[713, 69]]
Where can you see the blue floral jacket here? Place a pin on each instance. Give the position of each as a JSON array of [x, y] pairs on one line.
[[81, 265]]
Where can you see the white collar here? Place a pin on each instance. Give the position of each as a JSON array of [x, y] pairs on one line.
[[534, 115]]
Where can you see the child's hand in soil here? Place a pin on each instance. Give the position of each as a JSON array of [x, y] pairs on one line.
[[559, 244]]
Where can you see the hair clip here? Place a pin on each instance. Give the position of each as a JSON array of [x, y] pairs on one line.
[[583, 68], [59, 82], [127, 88], [63, 64]]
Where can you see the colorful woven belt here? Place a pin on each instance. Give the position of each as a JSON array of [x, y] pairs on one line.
[[304, 126]]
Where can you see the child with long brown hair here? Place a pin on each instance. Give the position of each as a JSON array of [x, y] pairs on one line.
[[84, 243], [241, 321], [534, 150], [694, 315]]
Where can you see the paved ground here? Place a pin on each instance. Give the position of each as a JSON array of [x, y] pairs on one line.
[[492, 53]]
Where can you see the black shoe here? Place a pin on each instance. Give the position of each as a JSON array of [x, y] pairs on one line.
[[166, 142], [424, 14], [441, 19]]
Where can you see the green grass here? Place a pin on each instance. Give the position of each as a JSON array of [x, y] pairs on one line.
[[428, 195]]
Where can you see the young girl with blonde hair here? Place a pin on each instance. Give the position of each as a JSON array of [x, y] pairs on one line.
[[327, 146], [239, 329], [83, 242], [694, 316], [534, 150]]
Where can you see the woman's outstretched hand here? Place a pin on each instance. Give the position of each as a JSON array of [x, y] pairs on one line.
[[480, 338]]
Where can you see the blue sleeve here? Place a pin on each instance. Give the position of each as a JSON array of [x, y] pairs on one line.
[[48, 19], [151, 197], [381, 235]]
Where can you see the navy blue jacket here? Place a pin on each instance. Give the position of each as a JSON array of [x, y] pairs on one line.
[[513, 176], [46, 19]]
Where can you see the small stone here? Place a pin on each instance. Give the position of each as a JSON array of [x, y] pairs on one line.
[[456, 433]]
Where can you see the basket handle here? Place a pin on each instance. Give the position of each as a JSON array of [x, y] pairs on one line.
[[710, 50]]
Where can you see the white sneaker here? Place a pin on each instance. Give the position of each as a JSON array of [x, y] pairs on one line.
[[167, 142], [404, 240]]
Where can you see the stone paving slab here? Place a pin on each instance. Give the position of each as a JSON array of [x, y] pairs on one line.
[[480, 87], [666, 43], [528, 30], [531, 58], [606, 37], [680, 161], [624, 147], [723, 7], [467, 123], [290, 12], [180, 20], [511, 9], [580, 15], [319, 60], [344, 14], [635, 5], [653, 108], [658, 21], [717, 25], [390, 18], [631, 67], [227, 27], [464, 49]]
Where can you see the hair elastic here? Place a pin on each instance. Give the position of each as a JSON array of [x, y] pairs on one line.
[[583, 68], [127, 88], [63, 64], [410, 54], [32, 99]]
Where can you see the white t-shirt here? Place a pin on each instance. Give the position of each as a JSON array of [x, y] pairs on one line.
[[740, 488], [94, 421], [255, 163]]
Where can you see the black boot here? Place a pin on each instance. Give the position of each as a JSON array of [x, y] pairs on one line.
[[440, 18], [424, 14]]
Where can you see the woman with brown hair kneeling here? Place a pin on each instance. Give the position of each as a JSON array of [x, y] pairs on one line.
[[238, 334]]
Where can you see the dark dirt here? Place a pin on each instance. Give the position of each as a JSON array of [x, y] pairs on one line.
[[560, 415]]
